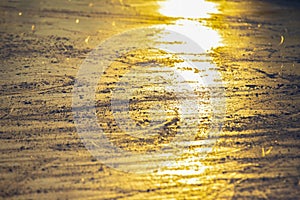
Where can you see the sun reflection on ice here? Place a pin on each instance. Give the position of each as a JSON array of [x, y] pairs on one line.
[[190, 22], [190, 13], [204, 36], [187, 8]]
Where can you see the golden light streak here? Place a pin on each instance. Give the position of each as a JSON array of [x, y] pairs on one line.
[[187, 8], [281, 40], [206, 37], [190, 23]]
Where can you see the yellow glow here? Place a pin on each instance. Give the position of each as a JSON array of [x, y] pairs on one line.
[[206, 37], [190, 171], [187, 8], [189, 24]]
